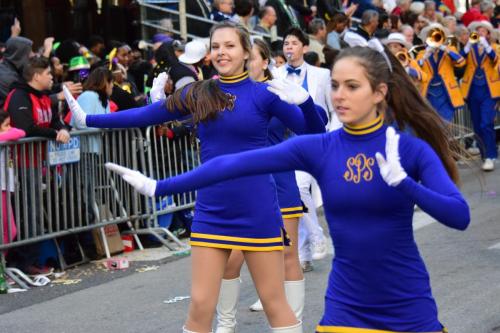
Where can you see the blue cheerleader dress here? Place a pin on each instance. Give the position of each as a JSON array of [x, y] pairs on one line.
[[378, 282], [241, 213]]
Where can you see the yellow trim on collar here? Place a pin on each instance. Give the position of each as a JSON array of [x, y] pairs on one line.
[[234, 79], [238, 239], [265, 79], [237, 247], [343, 329], [370, 127]]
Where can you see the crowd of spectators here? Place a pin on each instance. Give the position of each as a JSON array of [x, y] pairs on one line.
[[31, 80]]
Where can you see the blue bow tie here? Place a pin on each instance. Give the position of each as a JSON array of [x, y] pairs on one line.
[[292, 70]]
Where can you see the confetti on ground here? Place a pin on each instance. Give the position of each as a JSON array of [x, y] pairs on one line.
[[58, 275], [147, 269], [15, 290], [176, 299], [66, 281]]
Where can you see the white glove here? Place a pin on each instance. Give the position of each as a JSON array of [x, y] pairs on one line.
[[157, 91], [288, 91], [429, 50], [485, 44], [467, 48], [443, 48], [391, 170], [79, 116], [137, 180]]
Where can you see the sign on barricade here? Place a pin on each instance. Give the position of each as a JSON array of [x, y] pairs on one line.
[[63, 153]]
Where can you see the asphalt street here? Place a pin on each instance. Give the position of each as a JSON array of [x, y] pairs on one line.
[[464, 268]]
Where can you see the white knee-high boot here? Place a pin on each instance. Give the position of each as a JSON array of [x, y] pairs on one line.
[[295, 295], [290, 329], [184, 330], [226, 307]]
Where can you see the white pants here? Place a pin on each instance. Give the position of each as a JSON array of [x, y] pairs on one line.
[[309, 228]]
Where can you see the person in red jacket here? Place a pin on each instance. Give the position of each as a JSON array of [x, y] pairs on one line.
[[474, 13], [29, 107], [29, 104]]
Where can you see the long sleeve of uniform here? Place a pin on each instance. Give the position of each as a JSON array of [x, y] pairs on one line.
[[12, 134], [323, 114], [153, 114], [22, 118], [301, 120], [436, 194], [415, 71], [297, 153], [493, 55], [458, 60]]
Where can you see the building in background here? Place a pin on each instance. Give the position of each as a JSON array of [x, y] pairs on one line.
[[77, 19]]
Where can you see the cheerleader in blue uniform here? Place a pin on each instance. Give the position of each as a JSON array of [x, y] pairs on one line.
[[370, 178], [291, 210], [232, 115]]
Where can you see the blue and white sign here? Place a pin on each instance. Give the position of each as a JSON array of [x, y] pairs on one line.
[[63, 153]]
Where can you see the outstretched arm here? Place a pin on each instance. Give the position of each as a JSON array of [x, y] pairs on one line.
[[436, 194], [298, 153], [153, 114]]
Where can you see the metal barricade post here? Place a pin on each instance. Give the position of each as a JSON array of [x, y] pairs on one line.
[[52, 190]]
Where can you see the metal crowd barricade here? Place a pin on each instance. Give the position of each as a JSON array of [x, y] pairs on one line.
[[167, 157], [463, 121], [44, 197]]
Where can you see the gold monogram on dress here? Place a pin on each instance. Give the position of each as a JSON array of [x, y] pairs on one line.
[[359, 167]]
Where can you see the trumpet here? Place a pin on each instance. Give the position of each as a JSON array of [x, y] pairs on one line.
[[416, 49], [435, 38], [403, 57], [474, 38]]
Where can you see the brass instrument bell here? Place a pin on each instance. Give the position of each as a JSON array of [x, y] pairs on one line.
[[435, 38], [403, 57], [474, 38]]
